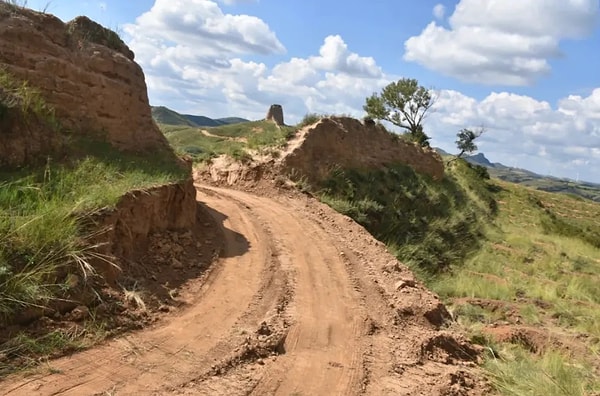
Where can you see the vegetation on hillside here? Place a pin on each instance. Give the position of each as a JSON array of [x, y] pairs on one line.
[[234, 140], [546, 183], [503, 257], [430, 225], [164, 115]]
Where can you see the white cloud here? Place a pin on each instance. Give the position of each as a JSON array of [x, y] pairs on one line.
[[439, 11], [523, 130], [201, 80], [200, 27], [334, 55], [504, 42]]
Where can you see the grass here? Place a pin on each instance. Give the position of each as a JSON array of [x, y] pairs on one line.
[[310, 118], [191, 141], [541, 255], [29, 350], [429, 225], [585, 190], [233, 140], [16, 94], [557, 261], [517, 373], [42, 215]]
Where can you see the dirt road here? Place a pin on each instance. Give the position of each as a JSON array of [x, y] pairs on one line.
[[302, 302]]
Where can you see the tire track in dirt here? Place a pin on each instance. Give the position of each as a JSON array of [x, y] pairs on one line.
[[323, 349], [342, 317], [143, 362]]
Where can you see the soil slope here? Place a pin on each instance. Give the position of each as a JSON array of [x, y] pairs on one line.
[[302, 302]]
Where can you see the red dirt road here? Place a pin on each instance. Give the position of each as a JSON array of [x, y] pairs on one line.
[[302, 302]]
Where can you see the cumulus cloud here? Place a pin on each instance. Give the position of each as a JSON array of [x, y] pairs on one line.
[[502, 42], [334, 55], [521, 130], [203, 79], [200, 27]]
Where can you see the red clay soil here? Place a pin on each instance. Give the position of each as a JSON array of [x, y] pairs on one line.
[[302, 301]]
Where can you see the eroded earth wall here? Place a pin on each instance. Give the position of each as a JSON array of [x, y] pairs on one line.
[[348, 143]]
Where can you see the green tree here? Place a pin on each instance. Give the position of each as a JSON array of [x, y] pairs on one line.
[[466, 140], [405, 104]]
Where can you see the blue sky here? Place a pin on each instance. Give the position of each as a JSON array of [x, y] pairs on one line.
[[525, 69]]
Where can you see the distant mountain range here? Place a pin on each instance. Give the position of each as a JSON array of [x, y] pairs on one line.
[[164, 115], [545, 183]]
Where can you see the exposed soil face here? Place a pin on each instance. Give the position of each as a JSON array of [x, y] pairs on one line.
[[302, 301], [342, 142], [84, 72], [148, 287]]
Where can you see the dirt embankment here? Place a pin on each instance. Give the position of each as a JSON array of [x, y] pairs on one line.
[[317, 150], [124, 231], [342, 142], [123, 241], [84, 72]]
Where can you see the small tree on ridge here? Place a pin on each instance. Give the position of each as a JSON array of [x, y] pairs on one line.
[[405, 104], [465, 141]]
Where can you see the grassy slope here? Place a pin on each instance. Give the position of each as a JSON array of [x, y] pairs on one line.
[[163, 115], [586, 190], [42, 208], [534, 252], [430, 225], [232, 140], [541, 256]]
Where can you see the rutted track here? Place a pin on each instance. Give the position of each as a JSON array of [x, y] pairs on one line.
[[147, 361], [323, 348], [331, 324]]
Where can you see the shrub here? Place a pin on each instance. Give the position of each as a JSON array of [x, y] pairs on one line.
[[309, 119]]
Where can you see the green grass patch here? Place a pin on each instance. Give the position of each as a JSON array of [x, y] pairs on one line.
[[191, 141], [20, 95], [271, 136], [517, 372], [43, 211], [430, 225], [244, 129], [233, 140], [522, 257]]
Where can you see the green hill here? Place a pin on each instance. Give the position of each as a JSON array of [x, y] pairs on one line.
[[528, 178], [166, 116], [163, 115]]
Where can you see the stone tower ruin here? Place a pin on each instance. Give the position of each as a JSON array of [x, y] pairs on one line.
[[275, 113]]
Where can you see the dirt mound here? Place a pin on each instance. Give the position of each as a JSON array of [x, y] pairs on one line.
[[84, 72], [536, 339], [342, 142], [157, 264], [317, 150]]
